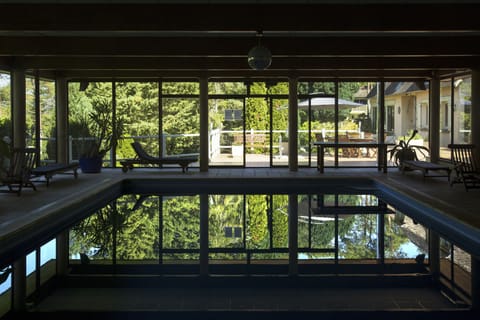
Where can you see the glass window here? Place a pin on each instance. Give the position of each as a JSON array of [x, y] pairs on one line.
[[462, 92], [137, 103], [226, 88], [5, 106], [225, 136], [81, 101], [316, 121], [30, 116], [48, 128], [445, 117], [355, 123]]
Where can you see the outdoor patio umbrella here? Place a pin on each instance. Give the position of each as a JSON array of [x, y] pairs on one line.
[[328, 102]]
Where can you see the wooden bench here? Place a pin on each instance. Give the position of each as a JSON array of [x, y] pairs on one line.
[[426, 168], [49, 170]]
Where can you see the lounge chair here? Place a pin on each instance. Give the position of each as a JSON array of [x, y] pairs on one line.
[[49, 170], [427, 168], [144, 158], [465, 165], [19, 172]]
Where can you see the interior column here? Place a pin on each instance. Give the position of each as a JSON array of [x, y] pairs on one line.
[[434, 132], [475, 110], [292, 235], [292, 124], [62, 120], [204, 124], [62, 253], [381, 122], [204, 235], [434, 254], [19, 284], [18, 106]]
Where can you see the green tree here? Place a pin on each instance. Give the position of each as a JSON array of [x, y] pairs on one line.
[[257, 221], [225, 211], [181, 224], [113, 232]]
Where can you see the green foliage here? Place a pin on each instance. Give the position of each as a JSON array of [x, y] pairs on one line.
[[101, 126], [112, 232], [5, 127], [280, 221], [138, 103], [394, 239], [346, 90], [181, 223], [316, 87], [129, 228], [124, 149], [225, 211], [181, 88], [257, 218], [257, 114], [227, 88]]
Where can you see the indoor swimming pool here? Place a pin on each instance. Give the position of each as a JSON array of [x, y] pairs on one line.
[[335, 234]]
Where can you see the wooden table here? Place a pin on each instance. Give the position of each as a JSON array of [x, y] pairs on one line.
[[381, 151]]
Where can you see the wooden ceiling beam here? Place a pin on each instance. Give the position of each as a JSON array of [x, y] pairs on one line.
[[241, 17], [234, 63], [215, 47], [357, 75]]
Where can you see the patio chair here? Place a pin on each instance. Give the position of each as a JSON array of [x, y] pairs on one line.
[[465, 165], [143, 157], [347, 152], [19, 172]]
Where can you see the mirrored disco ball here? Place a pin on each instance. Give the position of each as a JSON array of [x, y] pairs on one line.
[[259, 58]]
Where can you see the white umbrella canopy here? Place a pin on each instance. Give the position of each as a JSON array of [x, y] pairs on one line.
[[328, 102]]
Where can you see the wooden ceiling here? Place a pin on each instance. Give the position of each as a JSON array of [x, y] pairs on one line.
[[151, 40]]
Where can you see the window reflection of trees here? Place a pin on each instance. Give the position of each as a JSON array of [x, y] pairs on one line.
[[157, 228]]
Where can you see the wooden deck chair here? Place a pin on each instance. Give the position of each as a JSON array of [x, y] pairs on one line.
[[465, 165], [20, 170]]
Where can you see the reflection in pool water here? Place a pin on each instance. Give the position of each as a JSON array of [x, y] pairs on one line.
[[246, 227]]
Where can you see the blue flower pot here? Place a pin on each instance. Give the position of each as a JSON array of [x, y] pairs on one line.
[[91, 165]]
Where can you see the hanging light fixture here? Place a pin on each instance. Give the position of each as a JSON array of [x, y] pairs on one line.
[[259, 57]]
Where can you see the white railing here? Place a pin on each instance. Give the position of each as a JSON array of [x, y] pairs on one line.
[[215, 145]]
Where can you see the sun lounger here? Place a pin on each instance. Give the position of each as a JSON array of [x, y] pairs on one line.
[[48, 171], [143, 158], [427, 168]]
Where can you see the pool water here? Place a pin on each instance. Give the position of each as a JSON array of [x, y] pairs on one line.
[[244, 228]]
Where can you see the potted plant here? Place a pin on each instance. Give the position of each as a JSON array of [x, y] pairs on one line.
[[103, 135], [405, 150]]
